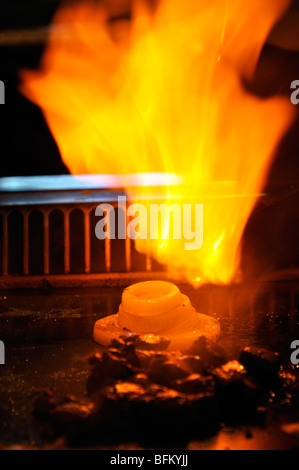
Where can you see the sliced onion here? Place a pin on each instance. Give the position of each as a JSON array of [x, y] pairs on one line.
[[153, 306], [151, 298], [157, 307]]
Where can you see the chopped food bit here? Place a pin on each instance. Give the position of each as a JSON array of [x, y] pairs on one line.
[[193, 364], [142, 379], [67, 415], [106, 368], [195, 383], [165, 372], [210, 352], [263, 365], [237, 394], [152, 342]]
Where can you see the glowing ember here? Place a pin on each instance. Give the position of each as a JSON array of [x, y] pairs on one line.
[[157, 308], [165, 94]]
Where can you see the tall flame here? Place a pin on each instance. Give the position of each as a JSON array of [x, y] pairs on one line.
[[164, 93]]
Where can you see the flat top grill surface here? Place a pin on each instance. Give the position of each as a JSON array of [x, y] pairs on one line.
[[48, 337]]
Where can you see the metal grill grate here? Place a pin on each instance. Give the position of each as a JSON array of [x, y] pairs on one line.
[[47, 229], [48, 233], [26, 213]]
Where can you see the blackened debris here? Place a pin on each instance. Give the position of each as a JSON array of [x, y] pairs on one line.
[[69, 416], [152, 342], [193, 364], [149, 342], [261, 364], [238, 396], [106, 369], [210, 352], [159, 397], [195, 384], [165, 372]]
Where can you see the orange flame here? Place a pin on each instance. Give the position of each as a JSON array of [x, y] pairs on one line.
[[164, 93]]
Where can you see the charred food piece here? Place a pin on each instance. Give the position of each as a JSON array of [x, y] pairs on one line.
[[192, 364], [135, 347], [194, 384], [211, 354], [261, 364], [238, 396], [69, 416], [165, 371], [152, 342], [156, 414], [149, 341], [107, 368]]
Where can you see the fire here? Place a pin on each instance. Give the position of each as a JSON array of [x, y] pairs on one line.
[[164, 93]]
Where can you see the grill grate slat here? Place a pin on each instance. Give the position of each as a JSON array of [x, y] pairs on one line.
[[46, 237]]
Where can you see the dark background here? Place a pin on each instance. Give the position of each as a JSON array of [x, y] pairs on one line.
[[27, 147]]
